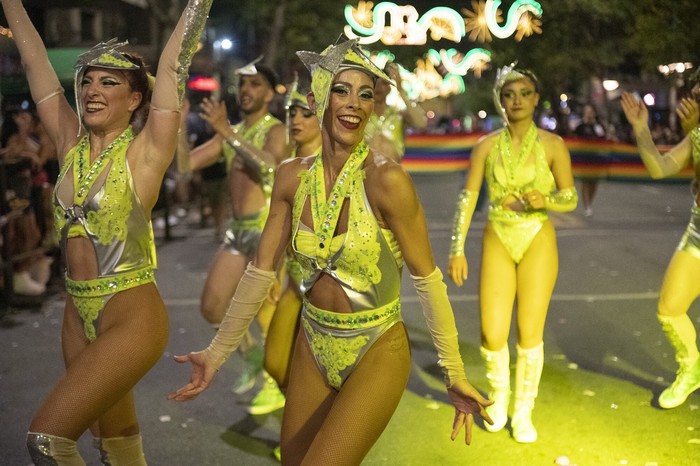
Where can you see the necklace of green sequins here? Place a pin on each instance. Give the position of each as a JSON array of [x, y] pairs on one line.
[[83, 178], [326, 210], [512, 164]]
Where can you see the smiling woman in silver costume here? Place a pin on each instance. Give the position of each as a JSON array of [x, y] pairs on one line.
[[353, 219], [115, 325]]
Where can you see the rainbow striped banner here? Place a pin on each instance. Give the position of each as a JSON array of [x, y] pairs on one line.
[[436, 153]]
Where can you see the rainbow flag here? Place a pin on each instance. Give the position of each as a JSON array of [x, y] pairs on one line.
[[435, 153]]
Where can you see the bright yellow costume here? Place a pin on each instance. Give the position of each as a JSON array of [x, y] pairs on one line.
[[99, 202]]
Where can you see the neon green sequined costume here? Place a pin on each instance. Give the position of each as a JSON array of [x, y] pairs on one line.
[[365, 261], [512, 175], [243, 234], [99, 202]]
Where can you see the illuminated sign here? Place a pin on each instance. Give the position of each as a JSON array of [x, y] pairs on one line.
[[368, 23]]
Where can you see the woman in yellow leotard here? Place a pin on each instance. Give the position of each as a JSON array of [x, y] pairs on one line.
[[352, 218], [528, 171], [113, 158]]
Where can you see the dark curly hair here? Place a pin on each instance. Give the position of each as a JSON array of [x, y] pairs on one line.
[[139, 82]]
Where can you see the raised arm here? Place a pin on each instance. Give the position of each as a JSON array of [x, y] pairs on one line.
[[59, 119], [160, 130], [658, 165], [259, 159]]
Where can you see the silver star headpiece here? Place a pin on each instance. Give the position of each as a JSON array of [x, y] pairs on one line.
[[335, 58], [504, 75], [103, 55]]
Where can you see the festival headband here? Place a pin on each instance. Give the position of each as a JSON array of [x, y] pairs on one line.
[[103, 55], [505, 75], [293, 98], [334, 59], [251, 70]]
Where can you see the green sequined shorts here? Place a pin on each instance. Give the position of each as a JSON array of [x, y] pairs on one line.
[[243, 235], [691, 238], [339, 340], [91, 296]]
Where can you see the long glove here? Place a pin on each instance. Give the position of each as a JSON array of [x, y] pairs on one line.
[[564, 200], [437, 310], [252, 291], [464, 211], [662, 165], [177, 55]]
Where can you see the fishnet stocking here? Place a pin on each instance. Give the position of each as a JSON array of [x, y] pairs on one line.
[[99, 377], [322, 426]]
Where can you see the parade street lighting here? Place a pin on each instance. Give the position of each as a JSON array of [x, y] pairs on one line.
[[610, 84], [226, 44], [674, 68]]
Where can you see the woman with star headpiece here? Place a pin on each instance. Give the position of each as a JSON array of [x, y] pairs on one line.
[[353, 219], [528, 171], [114, 152]]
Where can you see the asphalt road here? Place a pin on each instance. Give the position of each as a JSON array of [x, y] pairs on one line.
[[606, 358]]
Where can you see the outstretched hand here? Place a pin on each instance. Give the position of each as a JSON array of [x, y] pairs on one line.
[[467, 401], [635, 110], [214, 112], [688, 112], [203, 372]]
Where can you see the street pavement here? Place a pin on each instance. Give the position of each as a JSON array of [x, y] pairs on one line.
[[606, 358]]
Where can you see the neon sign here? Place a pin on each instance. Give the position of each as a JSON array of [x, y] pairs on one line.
[[368, 24]]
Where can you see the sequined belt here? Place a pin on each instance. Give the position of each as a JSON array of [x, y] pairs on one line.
[[362, 319], [514, 215], [111, 284]]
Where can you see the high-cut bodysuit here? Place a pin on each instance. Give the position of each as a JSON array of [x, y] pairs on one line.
[[98, 201], [243, 234], [690, 242], [365, 261], [514, 175]]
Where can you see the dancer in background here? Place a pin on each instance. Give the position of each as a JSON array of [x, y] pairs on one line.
[[305, 132], [528, 171], [252, 148], [681, 285], [352, 218], [115, 324], [386, 128]]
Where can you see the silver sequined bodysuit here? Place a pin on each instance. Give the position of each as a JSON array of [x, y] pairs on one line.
[[105, 209]]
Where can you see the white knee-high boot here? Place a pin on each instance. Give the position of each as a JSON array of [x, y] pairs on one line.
[[51, 450], [498, 374], [528, 370], [680, 332], [121, 451]]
